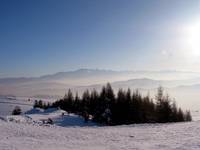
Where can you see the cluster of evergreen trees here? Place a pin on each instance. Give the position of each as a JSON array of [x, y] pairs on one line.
[[124, 108], [41, 104]]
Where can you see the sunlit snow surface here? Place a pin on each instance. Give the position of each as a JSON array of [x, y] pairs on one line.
[[20, 136], [7, 105], [27, 132]]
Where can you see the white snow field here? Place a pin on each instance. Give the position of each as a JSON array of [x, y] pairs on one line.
[[70, 132], [8, 104]]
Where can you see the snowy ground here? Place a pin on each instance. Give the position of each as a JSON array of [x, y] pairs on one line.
[[27, 133], [182, 136], [69, 131], [7, 105]]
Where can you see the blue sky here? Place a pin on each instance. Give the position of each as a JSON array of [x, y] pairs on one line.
[[46, 36]]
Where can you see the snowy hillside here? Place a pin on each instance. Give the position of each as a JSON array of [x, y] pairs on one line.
[[8, 104], [32, 131], [41, 117], [179, 136], [71, 132]]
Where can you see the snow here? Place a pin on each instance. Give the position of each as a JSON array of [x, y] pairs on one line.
[[71, 132], [177, 136], [195, 115], [7, 105], [59, 117]]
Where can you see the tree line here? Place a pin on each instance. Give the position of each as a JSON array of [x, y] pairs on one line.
[[41, 104], [126, 107]]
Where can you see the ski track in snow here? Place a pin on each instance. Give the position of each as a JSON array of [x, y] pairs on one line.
[[177, 136]]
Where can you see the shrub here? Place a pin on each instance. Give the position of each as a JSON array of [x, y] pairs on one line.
[[16, 111]]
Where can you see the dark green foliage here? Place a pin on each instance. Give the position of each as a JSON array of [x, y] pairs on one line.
[[125, 108], [163, 107], [188, 116], [16, 111], [41, 104], [166, 111]]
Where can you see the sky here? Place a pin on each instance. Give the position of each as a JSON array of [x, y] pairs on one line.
[[40, 37]]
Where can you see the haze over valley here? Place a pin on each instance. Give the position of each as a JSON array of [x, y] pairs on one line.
[[183, 86]]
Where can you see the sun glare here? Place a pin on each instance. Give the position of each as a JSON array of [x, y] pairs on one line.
[[194, 39]]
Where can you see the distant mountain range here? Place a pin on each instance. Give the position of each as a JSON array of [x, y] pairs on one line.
[[177, 83], [57, 84], [98, 75]]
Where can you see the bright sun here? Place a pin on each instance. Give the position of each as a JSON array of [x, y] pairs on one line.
[[194, 39]]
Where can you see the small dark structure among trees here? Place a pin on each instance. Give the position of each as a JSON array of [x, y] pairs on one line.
[[17, 111], [124, 108]]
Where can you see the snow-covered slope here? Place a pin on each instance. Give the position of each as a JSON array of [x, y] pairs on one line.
[[8, 104], [179, 136], [71, 132], [40, 117]]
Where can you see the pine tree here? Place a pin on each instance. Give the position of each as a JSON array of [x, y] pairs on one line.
[[125, 108], [188, 116], [68, 101], [163, 106], [17, 111], [180, 115], [85, 105], [76, 104], [94, 97], [35, 104], [174, 112]]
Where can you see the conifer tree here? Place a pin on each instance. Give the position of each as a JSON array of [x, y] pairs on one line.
[[17, 111], [125, 108]]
